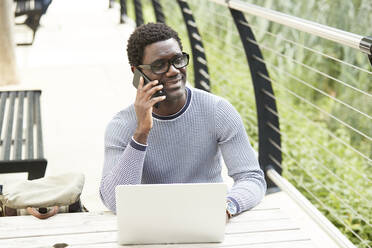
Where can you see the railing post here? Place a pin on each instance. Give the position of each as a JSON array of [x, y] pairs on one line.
[[366, 46], [110, 3], [138, 12], [159, 15], [123, 10], [200, 62], [269, 139]]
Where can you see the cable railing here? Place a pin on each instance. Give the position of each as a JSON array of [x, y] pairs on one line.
[[298, 44], [312, 69], [256, 28], [317, 89], [319, 109], [322, 166], [312, 50], [308, 138], [361, 43], [332, 212], [312, 103], [304, 117]]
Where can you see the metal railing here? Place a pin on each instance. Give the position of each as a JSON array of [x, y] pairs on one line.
[[278, 119], [362, 43]]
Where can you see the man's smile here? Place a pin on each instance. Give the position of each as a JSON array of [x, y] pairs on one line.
[[173, 83]]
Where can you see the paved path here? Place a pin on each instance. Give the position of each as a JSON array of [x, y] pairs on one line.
[[79, 61]]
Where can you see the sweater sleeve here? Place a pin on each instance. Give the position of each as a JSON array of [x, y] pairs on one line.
[[249, 182], [123, 161]]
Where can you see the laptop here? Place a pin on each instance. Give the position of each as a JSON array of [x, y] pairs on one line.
[[171, 213]]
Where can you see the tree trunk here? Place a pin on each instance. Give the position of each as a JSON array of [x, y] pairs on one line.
[[8, 65]]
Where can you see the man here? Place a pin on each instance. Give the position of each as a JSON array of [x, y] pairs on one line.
[[182, 140]]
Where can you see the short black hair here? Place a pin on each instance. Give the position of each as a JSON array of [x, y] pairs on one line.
[[147, 34]]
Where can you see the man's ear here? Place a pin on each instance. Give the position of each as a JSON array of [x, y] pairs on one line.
[[132, 68]]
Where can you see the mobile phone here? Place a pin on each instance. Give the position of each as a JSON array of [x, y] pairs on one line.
[[136, 78]]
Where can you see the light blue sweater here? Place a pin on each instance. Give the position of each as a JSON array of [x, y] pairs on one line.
[[184, 148]]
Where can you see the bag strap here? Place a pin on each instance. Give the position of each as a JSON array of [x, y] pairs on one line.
[[37, 214]]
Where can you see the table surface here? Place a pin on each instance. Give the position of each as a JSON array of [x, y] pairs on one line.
[[261, 227]]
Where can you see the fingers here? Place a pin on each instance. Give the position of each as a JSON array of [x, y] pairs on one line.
[[140, 84], [144, 103], [154, 89], [155, 100], [147, 86], [149, 89], [145, 99]]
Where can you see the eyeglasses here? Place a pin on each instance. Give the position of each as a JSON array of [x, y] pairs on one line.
[[161, 66]]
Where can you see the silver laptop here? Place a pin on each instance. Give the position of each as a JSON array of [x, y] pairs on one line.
[[171, 213]]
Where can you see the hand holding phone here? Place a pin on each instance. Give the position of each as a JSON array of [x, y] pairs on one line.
[[143, 104], [137, 75]]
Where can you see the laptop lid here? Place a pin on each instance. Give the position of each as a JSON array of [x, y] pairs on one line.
[[171, 213]]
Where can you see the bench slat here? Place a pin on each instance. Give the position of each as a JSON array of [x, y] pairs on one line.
[[30, 121], [40, 151], [27, 7], [4, 95], [20, 6], [19, 128], [9, 128]]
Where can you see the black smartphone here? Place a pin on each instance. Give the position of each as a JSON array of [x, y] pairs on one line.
[[136, 79]]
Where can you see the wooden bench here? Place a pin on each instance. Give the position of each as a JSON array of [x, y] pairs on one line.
[[21, 143], [33, 11]]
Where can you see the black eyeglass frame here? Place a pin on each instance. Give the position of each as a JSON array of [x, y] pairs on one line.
[[170, 62]]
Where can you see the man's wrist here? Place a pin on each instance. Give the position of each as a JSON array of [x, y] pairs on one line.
[[141, 137], [137, 146], [231, 208]]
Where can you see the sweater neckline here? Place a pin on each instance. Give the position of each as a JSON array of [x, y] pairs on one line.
[[180, 112]]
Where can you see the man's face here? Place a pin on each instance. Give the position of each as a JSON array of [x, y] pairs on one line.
[[174, 79]]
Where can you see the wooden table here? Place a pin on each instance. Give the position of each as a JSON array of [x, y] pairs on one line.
[[262, 227]]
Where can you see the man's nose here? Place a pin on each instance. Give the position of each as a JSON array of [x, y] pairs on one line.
[[172, 71]]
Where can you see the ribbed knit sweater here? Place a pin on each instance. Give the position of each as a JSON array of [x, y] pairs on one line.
[[186, 147]]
